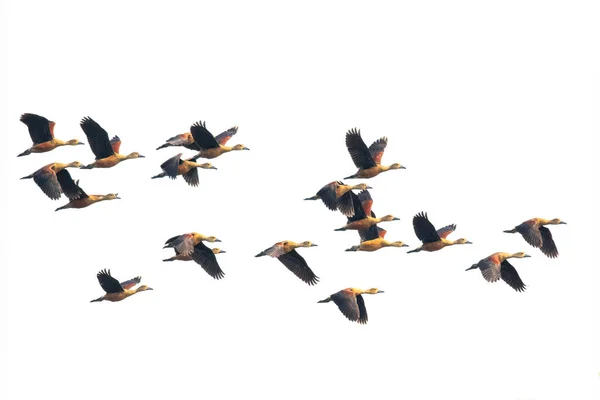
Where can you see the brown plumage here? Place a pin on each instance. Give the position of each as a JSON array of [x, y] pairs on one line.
[[536, 234], [186, 243], [285, 252], [203, 256], [367, 159], [364, 217], [183, 139], [106, 151], [80, 199], [54, 180], [433, 240], [116, 291], [41, 131], [372, 239], [213, 146], [496, 267], [175, 166], [351, 303], [336, 196]]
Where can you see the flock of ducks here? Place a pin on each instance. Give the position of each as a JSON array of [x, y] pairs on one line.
[[55, 180]]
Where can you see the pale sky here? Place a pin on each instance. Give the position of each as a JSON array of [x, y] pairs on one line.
[[489, 106]]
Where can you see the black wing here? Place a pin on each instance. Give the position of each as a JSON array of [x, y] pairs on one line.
[[97, 137], [202, 137], [361, 156], [108, 283], [327, 195], [369, 234], [296, 263], [359, 211], [510, 275], [204, 256], [38, 126], [424, 229], [347, 304], [171, 166], [69, 187], [548, 246], [191, 177], [363, 318]]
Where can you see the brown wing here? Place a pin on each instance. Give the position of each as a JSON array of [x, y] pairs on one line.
[[171, 166], [108, 283], [361, 157], [191, 177], [424, 229], [327, 195], [363, 318], [489, 270], [274, 251], [381, 232], [131, 282], [548, 245], [184, 244], [366, 201], [296, 263], [204, 257], [97, 138], [530, 233], [223, 137], [202, 136], [115, 143], [46, 179], [346, 302], [38, 127], [445, 231], [70, 188], [511, 276], [369, 234], [377, 148]]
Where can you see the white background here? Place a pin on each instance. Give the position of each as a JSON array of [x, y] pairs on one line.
[[488, 104]]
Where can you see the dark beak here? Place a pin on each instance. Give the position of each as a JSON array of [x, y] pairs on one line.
[[526, 255], [369, 187], [217, 240], [222, 251], [141, 156], [314, 245], [396, 219], [562, 222], [467, 242], [80, 144]]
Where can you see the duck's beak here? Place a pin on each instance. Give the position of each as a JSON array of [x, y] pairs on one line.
[[314, 245], [526, 255], [213, 167], [396, 219], [562, 222], [467, 242], [80, 144], [404, 245], [222, 251], [141, 156], [380, 291], [402, 167], [149, 288], [369, 187], [217, 240]]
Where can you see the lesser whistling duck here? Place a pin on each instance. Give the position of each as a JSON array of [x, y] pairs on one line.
[[203, 256], [213, 146], [106, 151], [496, 266], [80, 199], [41, 131], [335, 195], [185, 244], [367, 159], [285, 252], [433, 240], [372, 239], [180, 257], [54, 179], [536, 234], [175, 166], [351, 303], [183, 139], [116, 291], [364, 217]]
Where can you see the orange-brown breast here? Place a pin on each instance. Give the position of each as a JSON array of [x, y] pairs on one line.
[[495, 258], [369, 172], [107, 162], [371, 245], [212, 153], [184, 168], [364, 223], [44, 147], [433, 246]]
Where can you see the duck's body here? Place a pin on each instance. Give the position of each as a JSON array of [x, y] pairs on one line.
[[85, 200], [211, 146], [41, 131], [433, 240], [351, 303], [336, 196], [496, 266], [54, 180], [285, 252], [116, 291], [183, 139], [364, 217], [185, 244], [537, 235], [175, 166], [367, 159], [106, 151], [372, 239], [203, 256]]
